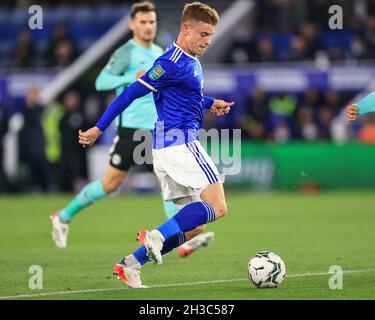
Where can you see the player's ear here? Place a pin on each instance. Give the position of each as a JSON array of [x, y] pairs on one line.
[[185, 28], [131, 25]]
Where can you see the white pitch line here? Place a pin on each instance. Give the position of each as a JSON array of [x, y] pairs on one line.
[[173, 285]]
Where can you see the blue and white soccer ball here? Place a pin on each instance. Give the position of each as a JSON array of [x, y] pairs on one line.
[[266, 270]]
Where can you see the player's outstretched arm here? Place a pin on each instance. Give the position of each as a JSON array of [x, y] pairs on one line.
[[366, 105], [134, 91]]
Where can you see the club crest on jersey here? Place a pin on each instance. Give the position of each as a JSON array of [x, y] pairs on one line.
[[156, 73]]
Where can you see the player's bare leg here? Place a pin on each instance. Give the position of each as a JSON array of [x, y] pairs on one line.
[[196, 239], [214, 195], [111, 181]]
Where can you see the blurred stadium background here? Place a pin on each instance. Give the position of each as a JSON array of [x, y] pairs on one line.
[[290, 75], [291, 78]]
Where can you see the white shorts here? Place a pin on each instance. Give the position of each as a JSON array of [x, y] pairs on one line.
[[184, 170]]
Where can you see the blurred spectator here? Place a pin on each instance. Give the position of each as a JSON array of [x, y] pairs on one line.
[[73, 156], [253, 129], [369, 36], [370, 4], [325, 118], [306, 23], [241, 47], [264, 51], [258, 105], [24, 53], [292, 14], [92, 109], [281, 133], [367, 132], [283, 104], [298, 49], [317, 13], [282, 107], [311, 99], [238, 53], [59, 36], [332, 100], [309, 33], [32, 144], [335, 53], [267, 14], [64, 54], [306, 127], [256, 114], [51, 120], [358, 49], [4, 119]]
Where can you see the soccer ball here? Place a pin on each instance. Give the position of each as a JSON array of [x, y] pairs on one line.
[[266, 270]]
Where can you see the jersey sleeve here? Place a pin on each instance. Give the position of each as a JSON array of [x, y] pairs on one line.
[[208, 102], [114, 74], [163, 73], [134, 91]]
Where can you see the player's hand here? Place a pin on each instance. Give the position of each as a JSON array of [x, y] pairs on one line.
[[140, 74], [351, 112], [221, 107], [88, 138]]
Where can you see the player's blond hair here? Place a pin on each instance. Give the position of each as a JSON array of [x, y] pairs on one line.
[[144, 6], [198, 11]]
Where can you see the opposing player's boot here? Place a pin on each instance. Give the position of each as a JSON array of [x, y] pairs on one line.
[[129, 271], [153, 243], [199, 241], [60, 231]]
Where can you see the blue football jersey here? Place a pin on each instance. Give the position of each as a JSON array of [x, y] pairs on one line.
[[176, 80]]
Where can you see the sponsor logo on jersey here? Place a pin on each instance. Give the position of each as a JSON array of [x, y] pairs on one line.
[[156, 73]]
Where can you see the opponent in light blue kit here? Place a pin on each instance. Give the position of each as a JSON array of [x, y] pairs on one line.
[[187, 174], [362, 107], [125, 66]]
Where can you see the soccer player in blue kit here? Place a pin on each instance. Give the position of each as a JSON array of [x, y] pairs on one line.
[[126, 65], [187, 174]]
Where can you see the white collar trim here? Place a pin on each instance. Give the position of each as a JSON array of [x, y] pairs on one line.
[[176, 45]]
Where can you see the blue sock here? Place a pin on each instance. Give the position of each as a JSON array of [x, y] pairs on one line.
[[170, 244], [188, 218]]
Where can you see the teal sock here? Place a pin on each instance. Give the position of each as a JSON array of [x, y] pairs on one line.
[[88, 195], [169, 208]]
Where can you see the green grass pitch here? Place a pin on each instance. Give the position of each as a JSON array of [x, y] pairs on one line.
[[310, 232]]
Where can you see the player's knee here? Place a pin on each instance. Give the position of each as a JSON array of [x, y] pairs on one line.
[[220, 210]]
